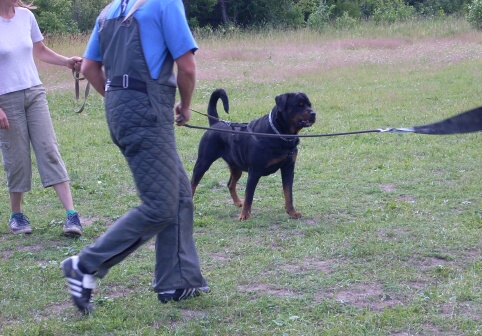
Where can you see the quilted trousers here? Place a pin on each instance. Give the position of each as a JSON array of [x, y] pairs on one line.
[[141, 125]]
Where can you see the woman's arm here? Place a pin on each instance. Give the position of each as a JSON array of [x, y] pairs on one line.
[[47, 55]]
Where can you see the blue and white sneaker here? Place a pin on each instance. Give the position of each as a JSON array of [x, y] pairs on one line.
[[72, 224], [19, 224], [80, 285]]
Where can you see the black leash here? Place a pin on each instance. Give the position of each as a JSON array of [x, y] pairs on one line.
[[229, 123], [465, 122], [286, 135]]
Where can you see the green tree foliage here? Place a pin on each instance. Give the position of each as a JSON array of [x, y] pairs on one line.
[[431, 7], [352, 8], [248, 13], [84, 12], [345, 22], [319, 18], [67, 16], [393, 11], [72, 16], [54, 16], [368, 7], [202, 13], [474, 15]]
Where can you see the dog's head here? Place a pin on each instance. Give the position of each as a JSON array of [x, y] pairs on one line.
[[293, 112]]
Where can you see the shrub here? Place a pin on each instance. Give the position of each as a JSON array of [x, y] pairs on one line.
[[292, 16], [320, 17], [474, 15], [51, 23], [435, 7], [368, 7], [52, 18], [393, 11], [345, 21]]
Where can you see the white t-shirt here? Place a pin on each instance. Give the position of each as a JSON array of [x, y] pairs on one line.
[[17, 36]]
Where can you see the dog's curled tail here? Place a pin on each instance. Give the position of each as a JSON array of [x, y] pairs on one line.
[[213, 101]]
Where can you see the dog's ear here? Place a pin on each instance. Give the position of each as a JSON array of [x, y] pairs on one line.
[[281, 101], [304, 97]]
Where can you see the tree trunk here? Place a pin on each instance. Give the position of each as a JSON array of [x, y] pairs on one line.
[[224, 11]]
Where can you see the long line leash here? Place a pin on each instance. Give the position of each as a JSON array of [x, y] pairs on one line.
[[267, 135], [465, 122]]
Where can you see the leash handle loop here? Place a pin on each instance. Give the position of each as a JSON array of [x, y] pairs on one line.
[[77, 79]]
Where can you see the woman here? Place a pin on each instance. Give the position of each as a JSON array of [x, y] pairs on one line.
[[25, 116]]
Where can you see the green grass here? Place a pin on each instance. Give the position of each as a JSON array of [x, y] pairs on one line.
[[390, 238]]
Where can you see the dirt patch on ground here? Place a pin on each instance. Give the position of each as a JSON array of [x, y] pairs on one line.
[[88, 221], [265, 289], [388, 187], [310, 264], [368, 296], [184, 315], [33, 249]]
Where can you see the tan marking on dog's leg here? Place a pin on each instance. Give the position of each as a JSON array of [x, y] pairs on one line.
[[233, 180], [290, 209], [245, 212], [193, 189]]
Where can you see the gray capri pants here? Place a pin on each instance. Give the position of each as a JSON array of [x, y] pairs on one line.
[[29, 118]]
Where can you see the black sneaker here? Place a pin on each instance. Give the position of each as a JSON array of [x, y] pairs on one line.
[[72, 224], [80, 285], [20, 224], [181, 294]]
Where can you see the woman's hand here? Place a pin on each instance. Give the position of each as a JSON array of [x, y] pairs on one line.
[[74, 62]]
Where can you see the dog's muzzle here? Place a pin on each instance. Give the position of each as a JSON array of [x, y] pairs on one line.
[[309, 122]]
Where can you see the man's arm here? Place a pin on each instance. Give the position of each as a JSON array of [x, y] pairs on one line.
[[186, 83], [93, 72]]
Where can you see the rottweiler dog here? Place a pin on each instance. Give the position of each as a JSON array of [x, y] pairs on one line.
[[256, 154]]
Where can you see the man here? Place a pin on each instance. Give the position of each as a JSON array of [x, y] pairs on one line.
[[129, 60]]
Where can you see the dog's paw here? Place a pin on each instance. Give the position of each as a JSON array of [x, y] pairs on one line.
[[294, 214], [244, 216]]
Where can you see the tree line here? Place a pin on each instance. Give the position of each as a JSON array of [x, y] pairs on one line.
[[78, 16]]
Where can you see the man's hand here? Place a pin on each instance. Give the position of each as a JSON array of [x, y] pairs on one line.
[[183, 115], [3, 120]]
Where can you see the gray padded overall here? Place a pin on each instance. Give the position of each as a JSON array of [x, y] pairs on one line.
[[141, 125]]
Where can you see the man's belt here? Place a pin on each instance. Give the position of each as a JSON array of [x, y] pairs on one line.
[[126, 82]]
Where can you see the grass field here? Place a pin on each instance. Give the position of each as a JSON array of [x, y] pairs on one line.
[[390, 240]]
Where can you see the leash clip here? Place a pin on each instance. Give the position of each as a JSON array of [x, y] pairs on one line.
[[386, 130], [397, 130]]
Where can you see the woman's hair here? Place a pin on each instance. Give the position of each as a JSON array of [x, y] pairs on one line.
[[29, 5]]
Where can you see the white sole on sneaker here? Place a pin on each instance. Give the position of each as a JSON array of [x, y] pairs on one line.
[[80, 285], [73, 230]]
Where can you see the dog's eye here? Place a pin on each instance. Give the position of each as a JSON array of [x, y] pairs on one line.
[[302, 104]]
